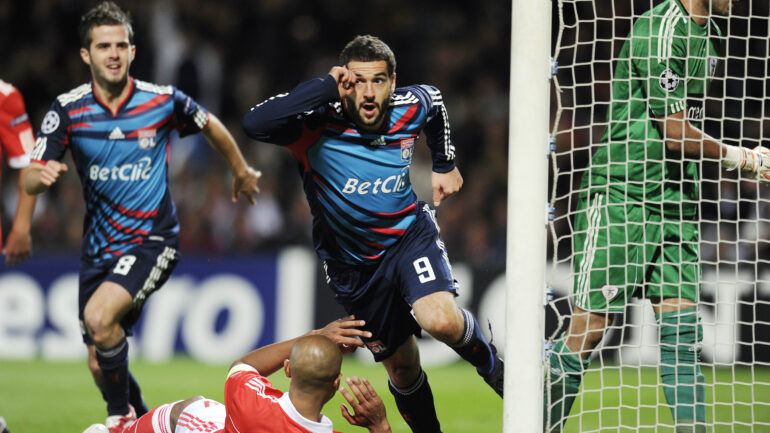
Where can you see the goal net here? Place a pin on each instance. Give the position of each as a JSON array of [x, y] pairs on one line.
[[677, 220]]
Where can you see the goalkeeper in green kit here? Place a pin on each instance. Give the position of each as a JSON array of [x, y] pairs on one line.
[[636, 228]]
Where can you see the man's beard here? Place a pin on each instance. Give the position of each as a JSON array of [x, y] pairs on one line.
[[111, 86], [360, 121]]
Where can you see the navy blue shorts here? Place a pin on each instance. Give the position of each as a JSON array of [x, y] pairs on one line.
[[141, 271], [382, 295]]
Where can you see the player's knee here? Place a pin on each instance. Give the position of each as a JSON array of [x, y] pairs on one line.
[[403, 376], [443, 327], [98, 326]]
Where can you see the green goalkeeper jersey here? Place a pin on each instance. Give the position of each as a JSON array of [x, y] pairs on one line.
[[664, 67]]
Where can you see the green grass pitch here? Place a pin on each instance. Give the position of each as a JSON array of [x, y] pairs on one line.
[[52, 397], [60, 397]]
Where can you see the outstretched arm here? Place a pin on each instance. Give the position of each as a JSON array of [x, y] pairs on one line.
[[682, 136], [18, 246], [268, 359], [245, 178]]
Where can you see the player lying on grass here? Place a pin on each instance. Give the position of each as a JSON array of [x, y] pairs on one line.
[[312, 362]]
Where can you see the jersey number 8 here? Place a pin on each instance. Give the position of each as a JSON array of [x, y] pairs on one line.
[[124, 265]]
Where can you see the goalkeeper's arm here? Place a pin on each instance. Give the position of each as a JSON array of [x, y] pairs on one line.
[[682, 136]]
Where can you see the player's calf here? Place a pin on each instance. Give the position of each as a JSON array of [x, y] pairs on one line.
[[473, 347]]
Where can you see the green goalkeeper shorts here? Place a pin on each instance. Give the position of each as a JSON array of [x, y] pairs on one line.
[[624, 250]]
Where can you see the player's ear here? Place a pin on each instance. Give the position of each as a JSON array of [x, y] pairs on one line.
[[336, 384], [393, 83], [86, 56], [287, 367], [133, 53]]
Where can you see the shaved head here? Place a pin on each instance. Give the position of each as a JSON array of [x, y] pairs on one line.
[[315, 363]]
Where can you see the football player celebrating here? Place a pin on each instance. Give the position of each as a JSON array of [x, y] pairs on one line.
[[353, 133], [117, 129], [252, 405]]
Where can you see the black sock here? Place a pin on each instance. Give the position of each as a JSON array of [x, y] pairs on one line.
[[415, 402], [114, 364], [135, 396], [473, 347]]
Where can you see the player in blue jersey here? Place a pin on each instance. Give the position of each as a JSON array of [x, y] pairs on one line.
[[353, 133], [117, 129]]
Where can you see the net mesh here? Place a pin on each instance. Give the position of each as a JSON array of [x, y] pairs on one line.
[[623, 390]]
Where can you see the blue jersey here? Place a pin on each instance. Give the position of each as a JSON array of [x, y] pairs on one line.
[[122, 160], [357, 182]]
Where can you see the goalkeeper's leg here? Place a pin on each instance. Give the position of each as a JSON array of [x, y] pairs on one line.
[[569, 360], [683, 383]]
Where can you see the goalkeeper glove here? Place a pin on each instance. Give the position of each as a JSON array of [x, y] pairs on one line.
[[753, 162]]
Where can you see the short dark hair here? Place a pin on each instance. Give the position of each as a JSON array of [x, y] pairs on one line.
[[105, 13], [368, 48]]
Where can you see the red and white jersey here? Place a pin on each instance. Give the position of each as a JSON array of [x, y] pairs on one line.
[[202, 416], [254, 406], [16, 136]]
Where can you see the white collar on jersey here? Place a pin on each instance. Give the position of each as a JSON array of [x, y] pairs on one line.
[[324, 426]]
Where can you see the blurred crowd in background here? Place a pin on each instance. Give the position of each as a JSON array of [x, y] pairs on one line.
[[230, 55]]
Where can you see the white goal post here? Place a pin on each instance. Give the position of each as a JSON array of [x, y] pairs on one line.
[[527, 200]]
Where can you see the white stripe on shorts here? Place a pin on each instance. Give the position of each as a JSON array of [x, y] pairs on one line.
[[161, 264], [589, 251]]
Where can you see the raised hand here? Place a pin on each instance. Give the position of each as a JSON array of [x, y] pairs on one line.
[[344, 332], [345, 80], [368, 408]]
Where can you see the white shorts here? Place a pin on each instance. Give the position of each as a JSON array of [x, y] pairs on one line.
[[203, 416]]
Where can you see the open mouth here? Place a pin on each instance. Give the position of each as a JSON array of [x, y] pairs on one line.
[[369, 109]]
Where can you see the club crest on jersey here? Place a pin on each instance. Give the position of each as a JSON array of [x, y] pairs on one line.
[[669, 80], [376, 346], [610, 291], [407, 148], [712, 66], [147, 138]]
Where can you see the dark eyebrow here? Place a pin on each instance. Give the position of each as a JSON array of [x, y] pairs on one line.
[[378, 74]]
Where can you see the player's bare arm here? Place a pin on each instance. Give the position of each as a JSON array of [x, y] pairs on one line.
[[368, 408], [682, 136], [268, 359], [40, 177], [18, 246], [246, 179], [445, 184]]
